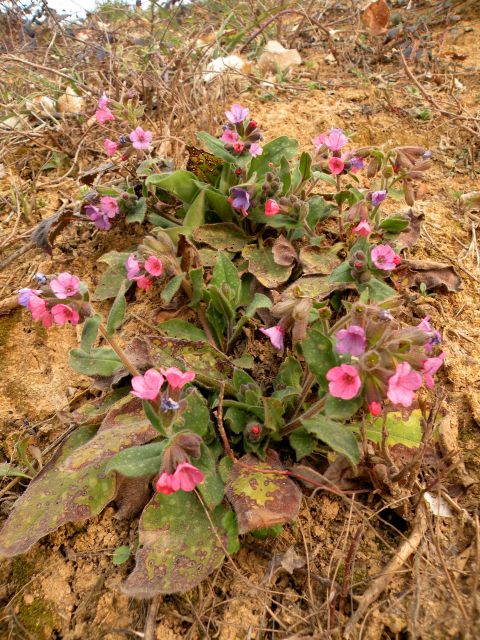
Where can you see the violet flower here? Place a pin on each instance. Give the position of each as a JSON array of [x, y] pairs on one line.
[[351, 340], [237, 114]]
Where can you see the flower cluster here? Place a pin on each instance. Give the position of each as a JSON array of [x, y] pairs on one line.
[[185, 477], [138, 270], [148, 386], [140, 139], [241, 137], [388, 362], [103, 213], [43, 303], [329, 144]]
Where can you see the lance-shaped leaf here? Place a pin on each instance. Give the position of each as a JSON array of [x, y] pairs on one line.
[[114, 276], [261, 500], [339, 437], [262, 265], [57, 496], [94, 412], [179, 545], [124, 426], [96, 362], [317, 349], [223, 235]]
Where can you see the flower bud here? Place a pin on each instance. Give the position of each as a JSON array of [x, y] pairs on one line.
[[251, 126], [408, 193], [253, 432], [373, 167], [388, 172]]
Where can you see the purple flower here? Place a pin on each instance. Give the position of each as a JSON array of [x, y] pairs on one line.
[[427, 155], [275, 334], [133, 266], [237, 114], [99, 218], [240, 199], [24, 295], [141, 139], [356, 163], [256, 149], [109, 206], [351, 340], [378, 197], [435, 336]]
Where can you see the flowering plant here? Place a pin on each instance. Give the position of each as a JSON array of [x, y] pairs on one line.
[[186, 426]]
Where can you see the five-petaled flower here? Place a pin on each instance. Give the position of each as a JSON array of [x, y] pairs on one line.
[[351, 340], [177, 379], [256, 149], [384, 257], [63, 313], [110, 146], [430, 367], [154, 266], [147, 387], [363, 228], [336, 166], [403, 384], [344, 381], [334, 139], [271, 207], [65, 285], [276, 335], [237, 114], [140, 139], [378, 197]]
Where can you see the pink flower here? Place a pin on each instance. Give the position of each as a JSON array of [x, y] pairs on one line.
[[177, 379], [133, 267], [186, 477], [39, 311], [104, 115], [147, 387], [375, 408], [103, 101], [344, 382], [319, 140], [430, 367], [238, 147], [62, 313], [154, 266], [237, 114], [65, 285], [229, 136], [351, 340], [164, 484], [276, 335], [336, 166], [435, 336], [110, 146], [402, 384], [334, 139], [363, 228], [384, 257], [109, 206], [256, 149], [140, 139], [143, 282], [271, 207]]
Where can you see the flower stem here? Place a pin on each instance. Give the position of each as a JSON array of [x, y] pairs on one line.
[[118, 350]]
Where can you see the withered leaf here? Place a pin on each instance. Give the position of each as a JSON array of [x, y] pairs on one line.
[[47, 230], [409, 237], [434, 275], [375, 17], [284, 252], [261, 500], [132, 496], [319, 260], [88, 177]]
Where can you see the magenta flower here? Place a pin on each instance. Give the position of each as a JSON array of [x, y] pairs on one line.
[[147, 387], [24, 295], [375, 408], [229, 136], [154, 266], [63, 313], [351, 340], [133, 266], [334, 139], [336, 166], [186, 477], [237, 114], [384, 257], [141, 139], [271, 208], [430, 368], [238, 147], [109, 206], [177, 379], [356, 163], [164, 484], [143, 282], [240, 199], [104, 115], [39, 311], [403, 384], [435, 336], [65, 285], [110, 146], [276, 335], [378, 197], [256, 149], [103, 101], [344, 382], [363, 229]]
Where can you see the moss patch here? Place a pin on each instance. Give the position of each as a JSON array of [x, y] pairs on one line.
[[38, 618]]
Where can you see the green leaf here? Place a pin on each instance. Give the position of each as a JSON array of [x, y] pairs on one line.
[[222, 236], [136, 212], [318, 351], [339, 409], [121, 555], [407, 432], [57, 496], [305, 165], [229, 523], [302, 442], [196, 416], [7, 470], [172, 287], [196, 278], [153, 417], [195, 215], [338, 437], [212, 488], [394, 224], [273, 152], [378, 290], [289, 375], [182, 329], [89, 332], [263, 266], [117, 311], [218, 201], [317, 211], [274, 409], [260, 301], [324, 177], [342, 273], [268, 532], [179, 545], [225, 273], [216, 146], [136, 462], [245, 361], [97, 362], [236, 419], [112, 279], [181, 184]]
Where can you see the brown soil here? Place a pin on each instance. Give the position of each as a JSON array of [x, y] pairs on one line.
[[67, 587]]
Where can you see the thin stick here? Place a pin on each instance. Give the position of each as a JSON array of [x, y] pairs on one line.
[[149, 631]]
